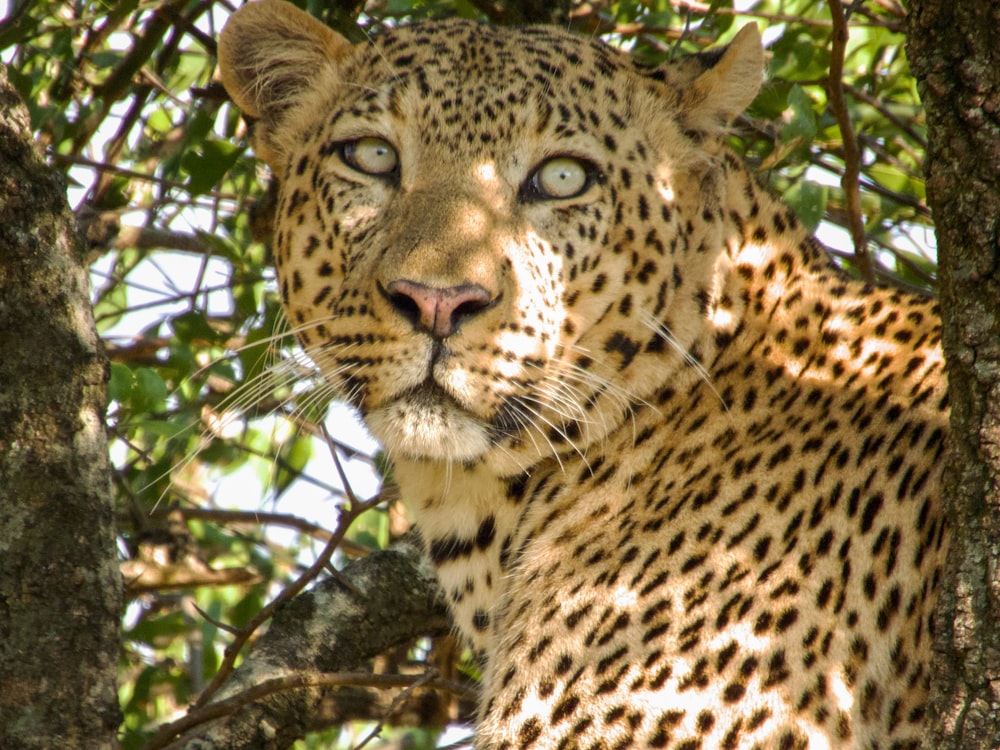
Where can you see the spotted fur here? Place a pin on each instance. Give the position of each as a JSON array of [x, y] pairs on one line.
[[678, 474]]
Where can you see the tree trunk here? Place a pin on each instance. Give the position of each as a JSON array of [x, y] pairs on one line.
[[954, 50], [60, 599]]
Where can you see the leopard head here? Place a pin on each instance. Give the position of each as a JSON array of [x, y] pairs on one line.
[[493, 242]]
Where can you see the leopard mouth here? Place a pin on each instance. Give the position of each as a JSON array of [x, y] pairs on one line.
[[428, 422], [430, 395]]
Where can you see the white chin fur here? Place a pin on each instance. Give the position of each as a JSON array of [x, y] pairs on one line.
[[422, 431]]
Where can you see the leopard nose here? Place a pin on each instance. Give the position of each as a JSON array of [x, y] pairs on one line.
[[438, 311]]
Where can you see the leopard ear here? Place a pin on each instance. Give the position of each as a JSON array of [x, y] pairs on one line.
[[270, 52], [729, 81]]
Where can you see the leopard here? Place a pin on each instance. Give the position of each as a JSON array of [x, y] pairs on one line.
[[678, 473]]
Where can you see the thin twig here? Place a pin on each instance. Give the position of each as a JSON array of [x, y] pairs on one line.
[[899, 122], [225, 627], [130, 173], [255, 517], [424, 681], [852, 154]]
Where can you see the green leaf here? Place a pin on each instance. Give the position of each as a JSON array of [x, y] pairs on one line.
[[803, 122], [158, 428], [208, 163], [366, 539], [248, 297], [106, 59], [155, 630], [896, 180], [772, 100], [220, 245], [255, 356], [194, 326], [150, 390], [808, 200], [295, 455], [799, 55], [246, 608], [159, 122], [121, 383]]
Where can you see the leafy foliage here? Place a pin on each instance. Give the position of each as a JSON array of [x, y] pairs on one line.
[[217, 423]]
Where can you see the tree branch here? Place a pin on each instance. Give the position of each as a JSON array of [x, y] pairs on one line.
[[297, 664], [852, 154]]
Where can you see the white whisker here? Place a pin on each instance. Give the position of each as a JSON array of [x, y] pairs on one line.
[[664, 332], [280, 388]]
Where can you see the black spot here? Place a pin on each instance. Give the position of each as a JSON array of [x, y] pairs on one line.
[[733, 692], [530, 731], [623, 345], [786, 619], [450, 548], [486, 533], [480, 620], [564, 708], [564, 664], [872, 507]]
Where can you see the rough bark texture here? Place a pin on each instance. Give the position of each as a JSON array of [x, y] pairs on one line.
[[381, 601], [60, 600], [954, 50]]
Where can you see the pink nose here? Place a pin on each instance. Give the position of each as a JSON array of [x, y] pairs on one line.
[[437, 311]]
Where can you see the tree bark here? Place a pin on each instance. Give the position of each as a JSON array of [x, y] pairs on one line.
[[954, 50], [60, 599]]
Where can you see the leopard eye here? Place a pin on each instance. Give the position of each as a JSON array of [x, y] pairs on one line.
[[370, 155], [560, 177]]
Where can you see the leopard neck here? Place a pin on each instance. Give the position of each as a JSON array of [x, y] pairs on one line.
[[466, 516]]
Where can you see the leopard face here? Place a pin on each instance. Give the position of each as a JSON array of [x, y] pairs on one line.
[[679, 475], [481, 233]]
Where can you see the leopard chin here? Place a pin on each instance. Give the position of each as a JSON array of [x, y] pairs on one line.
[[426, 423]]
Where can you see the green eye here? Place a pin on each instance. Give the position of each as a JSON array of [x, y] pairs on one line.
[[561, 177], [370, 155]]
